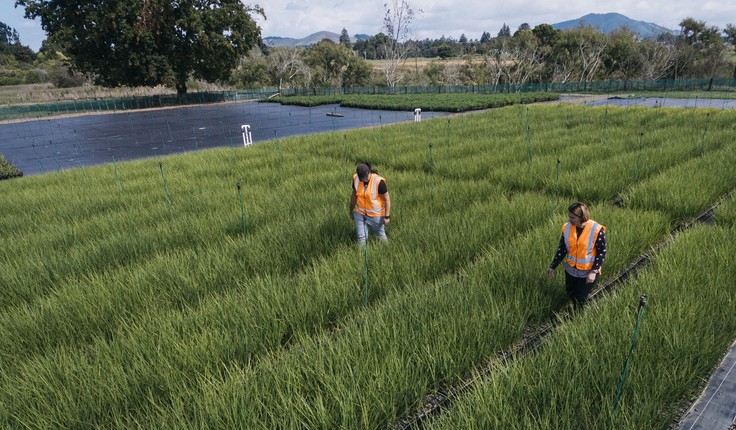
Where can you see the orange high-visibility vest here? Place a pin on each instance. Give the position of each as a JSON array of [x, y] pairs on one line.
[[369, 202], [581, 250]]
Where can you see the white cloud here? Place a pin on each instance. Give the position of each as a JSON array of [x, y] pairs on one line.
[[300, 18]]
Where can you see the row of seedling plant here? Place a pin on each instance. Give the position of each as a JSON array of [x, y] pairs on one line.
[[449, 102], [167, 293], [579, 378]]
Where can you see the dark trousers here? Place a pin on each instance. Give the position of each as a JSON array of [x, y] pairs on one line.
[[578, 289]]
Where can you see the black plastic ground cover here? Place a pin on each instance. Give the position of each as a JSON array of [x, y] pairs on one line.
[[45, 145], [534, 337]]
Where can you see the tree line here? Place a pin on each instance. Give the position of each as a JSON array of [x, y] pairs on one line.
[[529, 55], [154, 42]]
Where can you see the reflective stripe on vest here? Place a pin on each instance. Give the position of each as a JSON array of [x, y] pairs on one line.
[[581, 250], [369, 202]]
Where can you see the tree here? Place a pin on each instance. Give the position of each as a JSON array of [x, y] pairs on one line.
[[149, 42], [730, 33], [578, 54], [657, 59], [345, 39], [523, 27], [8, 36], [10, 45], [699, 50], [397, 22], [621, 57], [287, 67], [334, 65], [251, 71], [505, 31], [485, 37]]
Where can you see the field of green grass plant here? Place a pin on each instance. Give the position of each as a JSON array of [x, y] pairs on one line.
[[689, 322], [144, 295], [445, 102]]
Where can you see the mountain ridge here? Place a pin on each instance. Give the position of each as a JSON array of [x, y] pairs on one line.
[[607, 22], [604, 22]]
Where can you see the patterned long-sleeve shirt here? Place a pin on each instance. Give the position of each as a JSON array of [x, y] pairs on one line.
[[600, 250]]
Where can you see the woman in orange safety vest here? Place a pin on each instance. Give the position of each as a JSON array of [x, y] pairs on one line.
[[370, 204], [583, 241]]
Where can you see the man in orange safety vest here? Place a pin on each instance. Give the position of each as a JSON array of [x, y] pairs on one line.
[[370, 203]]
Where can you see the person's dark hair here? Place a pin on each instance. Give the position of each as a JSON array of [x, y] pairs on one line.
[[364, 170], [369, 166], [580, 210]]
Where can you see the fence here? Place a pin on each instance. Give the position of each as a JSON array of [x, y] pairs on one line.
[[714, 84], [128, 103]]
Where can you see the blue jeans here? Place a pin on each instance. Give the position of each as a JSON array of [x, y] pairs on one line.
[[374, 223]]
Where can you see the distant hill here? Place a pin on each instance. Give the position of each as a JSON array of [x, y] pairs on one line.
[[606, 22], [312, 39]]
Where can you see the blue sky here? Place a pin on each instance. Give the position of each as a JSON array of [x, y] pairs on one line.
[[300, 18]]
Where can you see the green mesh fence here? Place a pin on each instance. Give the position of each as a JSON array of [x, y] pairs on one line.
[[715, 84], [127, 103], [146, 102]]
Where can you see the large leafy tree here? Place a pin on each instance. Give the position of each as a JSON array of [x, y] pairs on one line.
[[337, 66], [149, 42], [10, 45]]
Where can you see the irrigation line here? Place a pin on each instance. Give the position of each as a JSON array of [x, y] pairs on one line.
[[534, 337]]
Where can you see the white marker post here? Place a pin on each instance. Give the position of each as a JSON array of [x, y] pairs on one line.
[[417, 115], [247, 139]]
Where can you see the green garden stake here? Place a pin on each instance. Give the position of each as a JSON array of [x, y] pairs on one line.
[[56, 159], [171, 138], [117, 176], [242, 215], [431, 167], [705, 131], [365, 270], [624, 372], [449, 144], [605, 127], [529, 147], [557, 181], [78, 146], [345, 145], [33, 145], [166, 189], [380, 121], [638, 158], [84, 173]]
